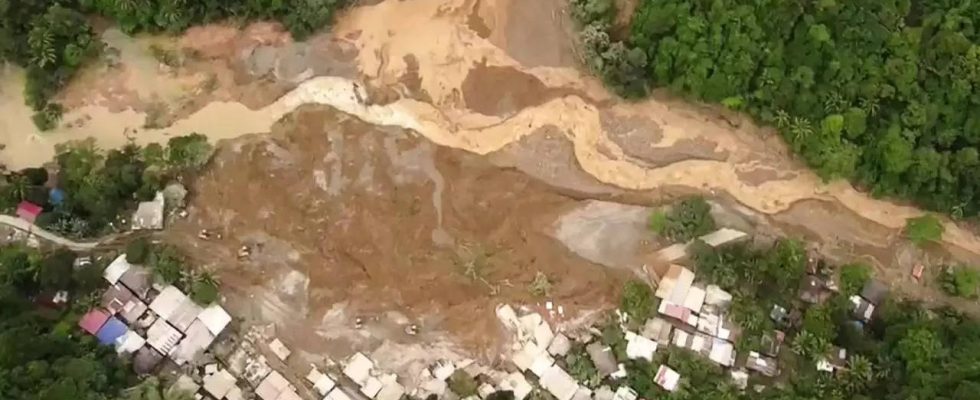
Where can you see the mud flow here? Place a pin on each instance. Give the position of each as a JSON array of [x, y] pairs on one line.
[[336, 211]]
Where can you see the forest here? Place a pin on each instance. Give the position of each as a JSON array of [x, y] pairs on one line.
[[884, 93], [52, 39]]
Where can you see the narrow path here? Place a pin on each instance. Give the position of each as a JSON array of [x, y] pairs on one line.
[[25, 226]]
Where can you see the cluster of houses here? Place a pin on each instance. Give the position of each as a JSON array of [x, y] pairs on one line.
[[152, 322]]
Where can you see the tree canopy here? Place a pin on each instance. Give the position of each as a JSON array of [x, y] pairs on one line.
[[51, 39], [884, 93]]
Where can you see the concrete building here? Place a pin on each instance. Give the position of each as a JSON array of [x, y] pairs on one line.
[[559, 383], [667, 378], [603, 359], [149, 215]]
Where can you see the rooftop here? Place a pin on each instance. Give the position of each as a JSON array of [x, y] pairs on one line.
[[93, 321], [112, 330], [559, 383], [116, 269], [149, 215], [874, 291], [163, 337], [667, 378], [215, 318], [198, 340], [602, 357]]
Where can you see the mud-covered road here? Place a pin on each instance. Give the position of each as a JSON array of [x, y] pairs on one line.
[[475, 129]]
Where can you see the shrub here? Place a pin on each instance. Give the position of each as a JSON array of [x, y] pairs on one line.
[[204, 291], [462, 384], [924, 229], [637, 301], [686, 221], [137, 251], [960, 281], [853, 277]]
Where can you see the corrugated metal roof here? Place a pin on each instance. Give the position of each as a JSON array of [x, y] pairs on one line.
[[559, 383], [162, 337], [215, 318], [198, 340], [116, 269], [92, 321], [168, 301]]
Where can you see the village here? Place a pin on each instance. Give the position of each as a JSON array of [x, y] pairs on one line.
[[201, 349]]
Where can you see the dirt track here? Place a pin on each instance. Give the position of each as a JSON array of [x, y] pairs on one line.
[[479, 83]]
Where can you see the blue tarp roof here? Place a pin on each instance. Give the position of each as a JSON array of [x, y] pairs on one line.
[[56, 196], [112, 330]]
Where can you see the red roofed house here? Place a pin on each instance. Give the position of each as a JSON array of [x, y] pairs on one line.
[[93, 321], [28, 211]]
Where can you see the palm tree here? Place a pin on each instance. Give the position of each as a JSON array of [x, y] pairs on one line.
[[859, 374], [800, 129], [782, 119], [18, 186]]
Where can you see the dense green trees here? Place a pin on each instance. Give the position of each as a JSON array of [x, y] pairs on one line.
[[52, 38], [884, 92], [688, 219], [42, 355]]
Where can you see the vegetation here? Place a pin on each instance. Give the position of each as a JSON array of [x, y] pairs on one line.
[[462, 384], [882, 93], [580, 366], [41, 355], [637, 301], [51, 39], [853, 277], [540, 286], [924, 229], [687, 220], [99, 185], [961, 281]]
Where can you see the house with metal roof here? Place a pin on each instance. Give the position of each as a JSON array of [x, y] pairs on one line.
[[559, 383], [149, 214], [163, 337], [603, 359], [92, 321], [667, 378], [119, 300], [112, 330], [198, 339]]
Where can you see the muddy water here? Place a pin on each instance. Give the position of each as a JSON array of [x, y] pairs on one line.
[[450, 58]]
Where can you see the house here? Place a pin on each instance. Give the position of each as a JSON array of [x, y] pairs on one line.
[[722, 352], [559, 383], [813, 290], [322, 383], [694, 299], [162, 337], [120, 301], [358, 368], [116, 269], [146, 360], [92, 321], [175, 307], [112, 330], [392, 390], [279, 349], [716, 298], [272, 386], [215, 318], [338, 394], [834, 360], [130, 343], [762, 364], [678, 312], [778, 313], [540, 365], [139, 280], [603, 359], [874, 292], [639, 347], [675, 284], [560, 345], [56, 196], [198, 339], [149, 214], [29, 211], [516, 383], [771, 342], [863, 310], [218, 384], [667, 378], [625, 393], [583, 393], [658, 329]]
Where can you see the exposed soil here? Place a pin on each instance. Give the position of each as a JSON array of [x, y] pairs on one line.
[[350, 218], [339, 211]]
